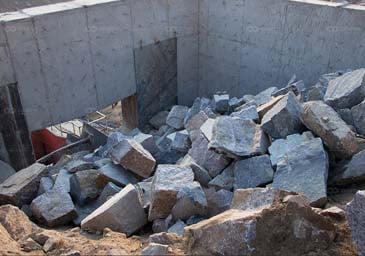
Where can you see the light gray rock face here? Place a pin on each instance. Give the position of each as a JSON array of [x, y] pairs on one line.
[[132, 156], [218, 201], [121, 213], [176, 117], [144, 189], [355, 214], [147, 141], [220, 103], [5, 171], [347, 90], [84, 186], [304, 171], [200, 174], [235, 102], [167, 182], [177, 228], [199, 105], [352, 172], [358, 117], [108, 191], [264, 96], [190, 201], [78, 165], [207, 128], [213, 162], [284, 118], [159, 119], [247, 113], [194, 124], [53, 208], [154, 249], [181, 141], [253, 172], [346, 116], [45, 184], [225, 180], [62, 182], [116, 174], [238, 137], [22, 187], [323, 121]]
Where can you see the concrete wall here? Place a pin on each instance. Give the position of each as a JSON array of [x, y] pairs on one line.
[[247, 45]]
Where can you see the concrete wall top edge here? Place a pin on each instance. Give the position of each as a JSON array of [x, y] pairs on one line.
[[13, 16], [88, 3], [51, 8], [331, 4]]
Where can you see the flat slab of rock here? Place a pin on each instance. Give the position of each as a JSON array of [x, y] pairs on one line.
[[167, 182], [5, 171], [238, 137], [84, 186], [53, 208], [122, 213], [253, 172], [304, 171], [355, 215], [22, 187], [284, 118], [323, 121], [176, 117], [347, 90], [132, 156], [116, 174]]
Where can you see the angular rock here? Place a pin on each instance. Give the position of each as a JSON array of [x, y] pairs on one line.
[[181, 141], [154, 249], [263, 109], [335, 213], [194, 124], [167, 182], [235, 103], [298, 199], [79, 165], [217, 201], [284, 118], [53, 208], [207, 158], [45, 184], [347, 90], [194, 219], [220, 103], [246, 105], [176, 117], [200, 174], [5, 171], [207, 128], [247, 113], [190, 201], [352, 172], [322, 120], [144, 188], [122, 213], [346, 116], [164, 238], [132, 156], [264, 96], [159, 225], [225, 180], [358, 117], [62, 182], [84, 186], [253, 172], [116, 174], [177, 228], [198, 105], [108, 191], [83, 211], [238, 137], [147, 141], [22, 187], [159, 119], [355, 215], [304, 171]]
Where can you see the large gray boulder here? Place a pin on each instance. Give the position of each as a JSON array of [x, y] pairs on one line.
[[176, 117], [53, 208], [22, 187], [121, 213], [347, 90], [5, 171], [304, 171], [132, 156], [284, 118], [116, 174], [253, 172], [238, 137], [322, 120], [167, 182], [355, 214], [84, 186], [358, 117]]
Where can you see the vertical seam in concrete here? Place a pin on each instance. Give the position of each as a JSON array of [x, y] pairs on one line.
[[92, 58], [133, 50], [241, 46], [7, 47], [281, 71], [198, 48]]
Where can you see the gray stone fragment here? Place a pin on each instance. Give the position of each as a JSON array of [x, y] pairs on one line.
[[198, 105], [352, 172], [355, 214], [83, 211], [176, 117], [247, 113], [246, 105], [253, 172], [154, 249], [358, 115], [53, 208], [22, 187], [347, 90], [144, 189], [264, 96], [79, 165], [5, 171], [159, 119], [62, 182], [181, 141], [167, 182], [284, 118], [121, 213], [159, 225], [200, 174], [346, 116], [104, 161], [132, 156], [235, 103], [213, 162], [225, 180], [108, 191], [45, 184], [147, 141], [194, 124], [116, 174], [84, 186], [194, 219], [238, 137], [304, 171], [207, 128], [323, 121], [220, 103], [218, 201], [177, 228]]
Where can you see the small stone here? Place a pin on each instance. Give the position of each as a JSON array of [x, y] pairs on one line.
[[298, 199], [218, 201], [335, 213], [177, 228], [132, 156], [167, 182], [159, 225], [108, 191], [181, 141], [79, 165], [194, 219], [5, 171], [159, 119], [284, 118], [45, 184], [116, 174], [358, 115], [22, 187], [147, 141], [253, 172], [176, 117], [164, 238], [200, 174], [235, 103], [84, 186], [347, 90], [225, 180], [220, 103], [238, 137], [247, 113], [51, 244], [53, 208], [122, 213], [346, 116], [29, 245], [355, 216], [154, 249]]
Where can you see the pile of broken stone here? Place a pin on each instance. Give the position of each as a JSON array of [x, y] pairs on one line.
[[217, 169]]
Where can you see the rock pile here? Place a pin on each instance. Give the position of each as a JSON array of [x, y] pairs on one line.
[[183, 174]]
